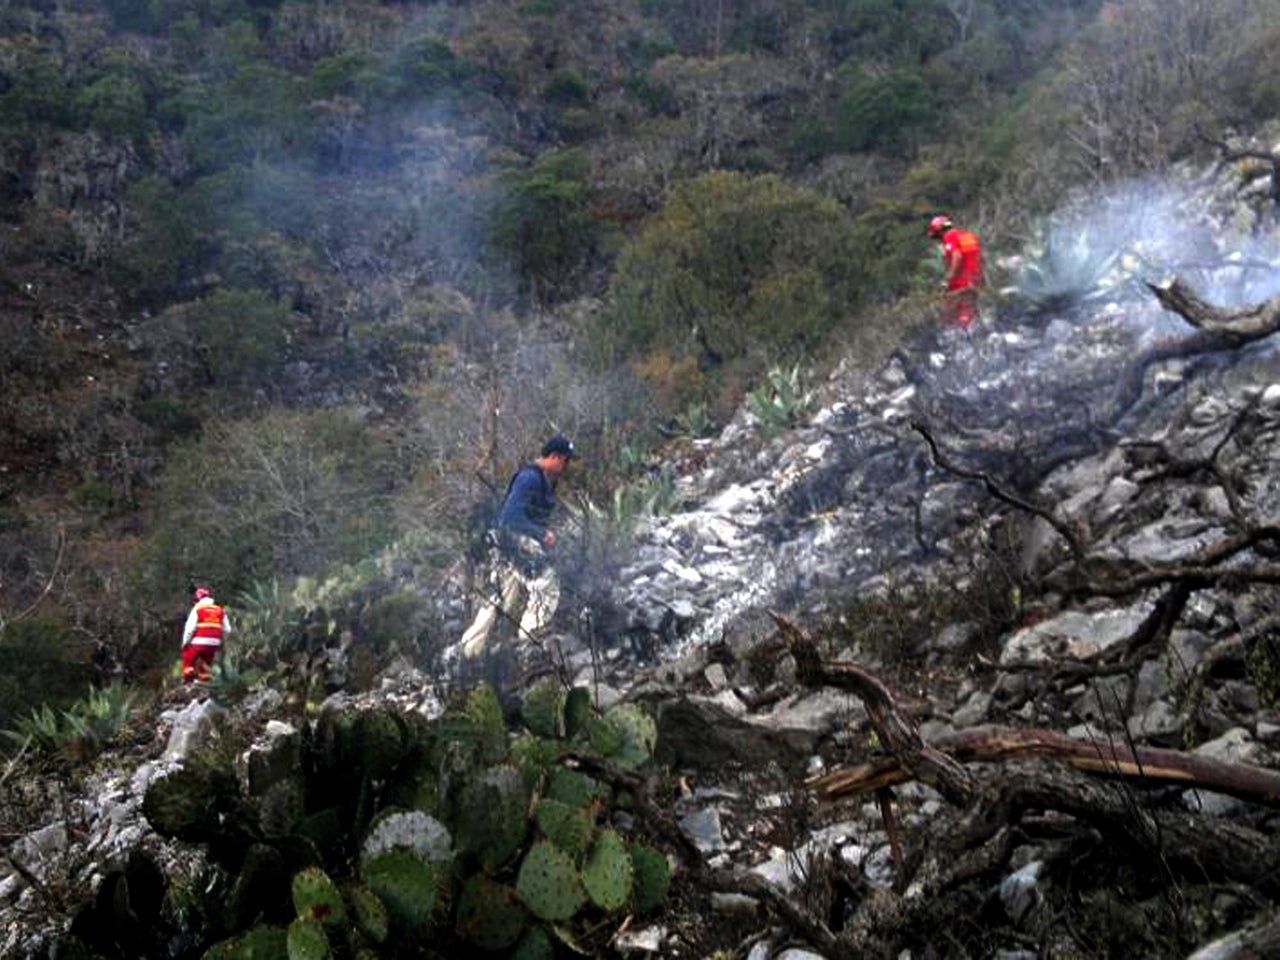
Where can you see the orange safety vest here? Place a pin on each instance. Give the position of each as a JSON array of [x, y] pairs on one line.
[[208, 632], [970, 249]]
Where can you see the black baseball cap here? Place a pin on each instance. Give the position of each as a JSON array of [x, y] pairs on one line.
[[559, 444]]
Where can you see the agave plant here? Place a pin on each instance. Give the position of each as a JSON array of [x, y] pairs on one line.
[[1066, 271], [781, 401]]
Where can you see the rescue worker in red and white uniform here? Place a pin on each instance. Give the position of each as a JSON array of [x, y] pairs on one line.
[[207, 626], [962, 259]]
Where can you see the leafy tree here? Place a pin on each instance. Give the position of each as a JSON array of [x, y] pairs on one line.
[[41, 661], [34, 93], [735, 264], [888, 112], [284, 495], [162, 245], [545, 225], [242, 335], [114, 104]]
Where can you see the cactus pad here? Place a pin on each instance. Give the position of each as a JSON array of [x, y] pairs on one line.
[[180, 805], [306, 940], [577, 711], [485, 712], [543, 709], [405, 885], [316, 898], [569, 828], [626, 735], [651, 876], [574, 788], [607, 873], [411, 830], [493, 816], [260, 943], [369, 913], [534, 756], [536, 945], [490, 915], [549, 884], [377, 742]]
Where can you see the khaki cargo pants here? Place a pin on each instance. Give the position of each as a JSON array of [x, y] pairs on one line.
[[511, 582]]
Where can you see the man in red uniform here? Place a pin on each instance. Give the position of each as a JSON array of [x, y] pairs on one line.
[[962, 258], [207, 625]]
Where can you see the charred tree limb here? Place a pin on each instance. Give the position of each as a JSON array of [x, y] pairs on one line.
[[1188, 846], [1145, 765], [997, 490], [1229, 154], [1230, 328], [1259, 939], [897, 733], [1123, 658]]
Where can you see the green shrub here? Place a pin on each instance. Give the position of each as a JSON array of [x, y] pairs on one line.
[[41, 662], [544, 224], [273, 501], [757, 267], [113, 104], [568, 88], [244, 335], [169, 416], [889, 112]]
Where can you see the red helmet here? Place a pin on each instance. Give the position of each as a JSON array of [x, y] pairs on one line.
[[202, 592], [939, 225]]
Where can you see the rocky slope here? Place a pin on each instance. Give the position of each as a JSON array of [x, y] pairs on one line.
[[1098, 608]]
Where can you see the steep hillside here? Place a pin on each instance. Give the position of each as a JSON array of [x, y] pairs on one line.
[[933, 661]]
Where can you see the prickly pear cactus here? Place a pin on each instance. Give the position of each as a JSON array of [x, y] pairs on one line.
[[651, 875], [315, 897], [626, 735], [577, 711], [306, 940], [406, 886], [485, 712], [574, 788], [535, 945], [543, 709], [332, 738], [181, 805], [607, 873], [378, 743], [549, 884], [490, 914], [260, 943], [493, 816], [569, 828], [369, 914], [535, 757]]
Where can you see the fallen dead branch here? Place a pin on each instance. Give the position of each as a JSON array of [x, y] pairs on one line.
[[1150, 766]]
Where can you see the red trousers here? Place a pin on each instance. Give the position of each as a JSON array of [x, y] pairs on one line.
[[197, 662], [960, 306]]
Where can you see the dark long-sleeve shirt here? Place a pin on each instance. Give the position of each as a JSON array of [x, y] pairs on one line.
[[529, 502]]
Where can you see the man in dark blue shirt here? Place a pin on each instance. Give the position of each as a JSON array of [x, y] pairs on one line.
[[522, 565]]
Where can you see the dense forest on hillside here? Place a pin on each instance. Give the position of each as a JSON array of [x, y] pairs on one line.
[[285, 284]]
